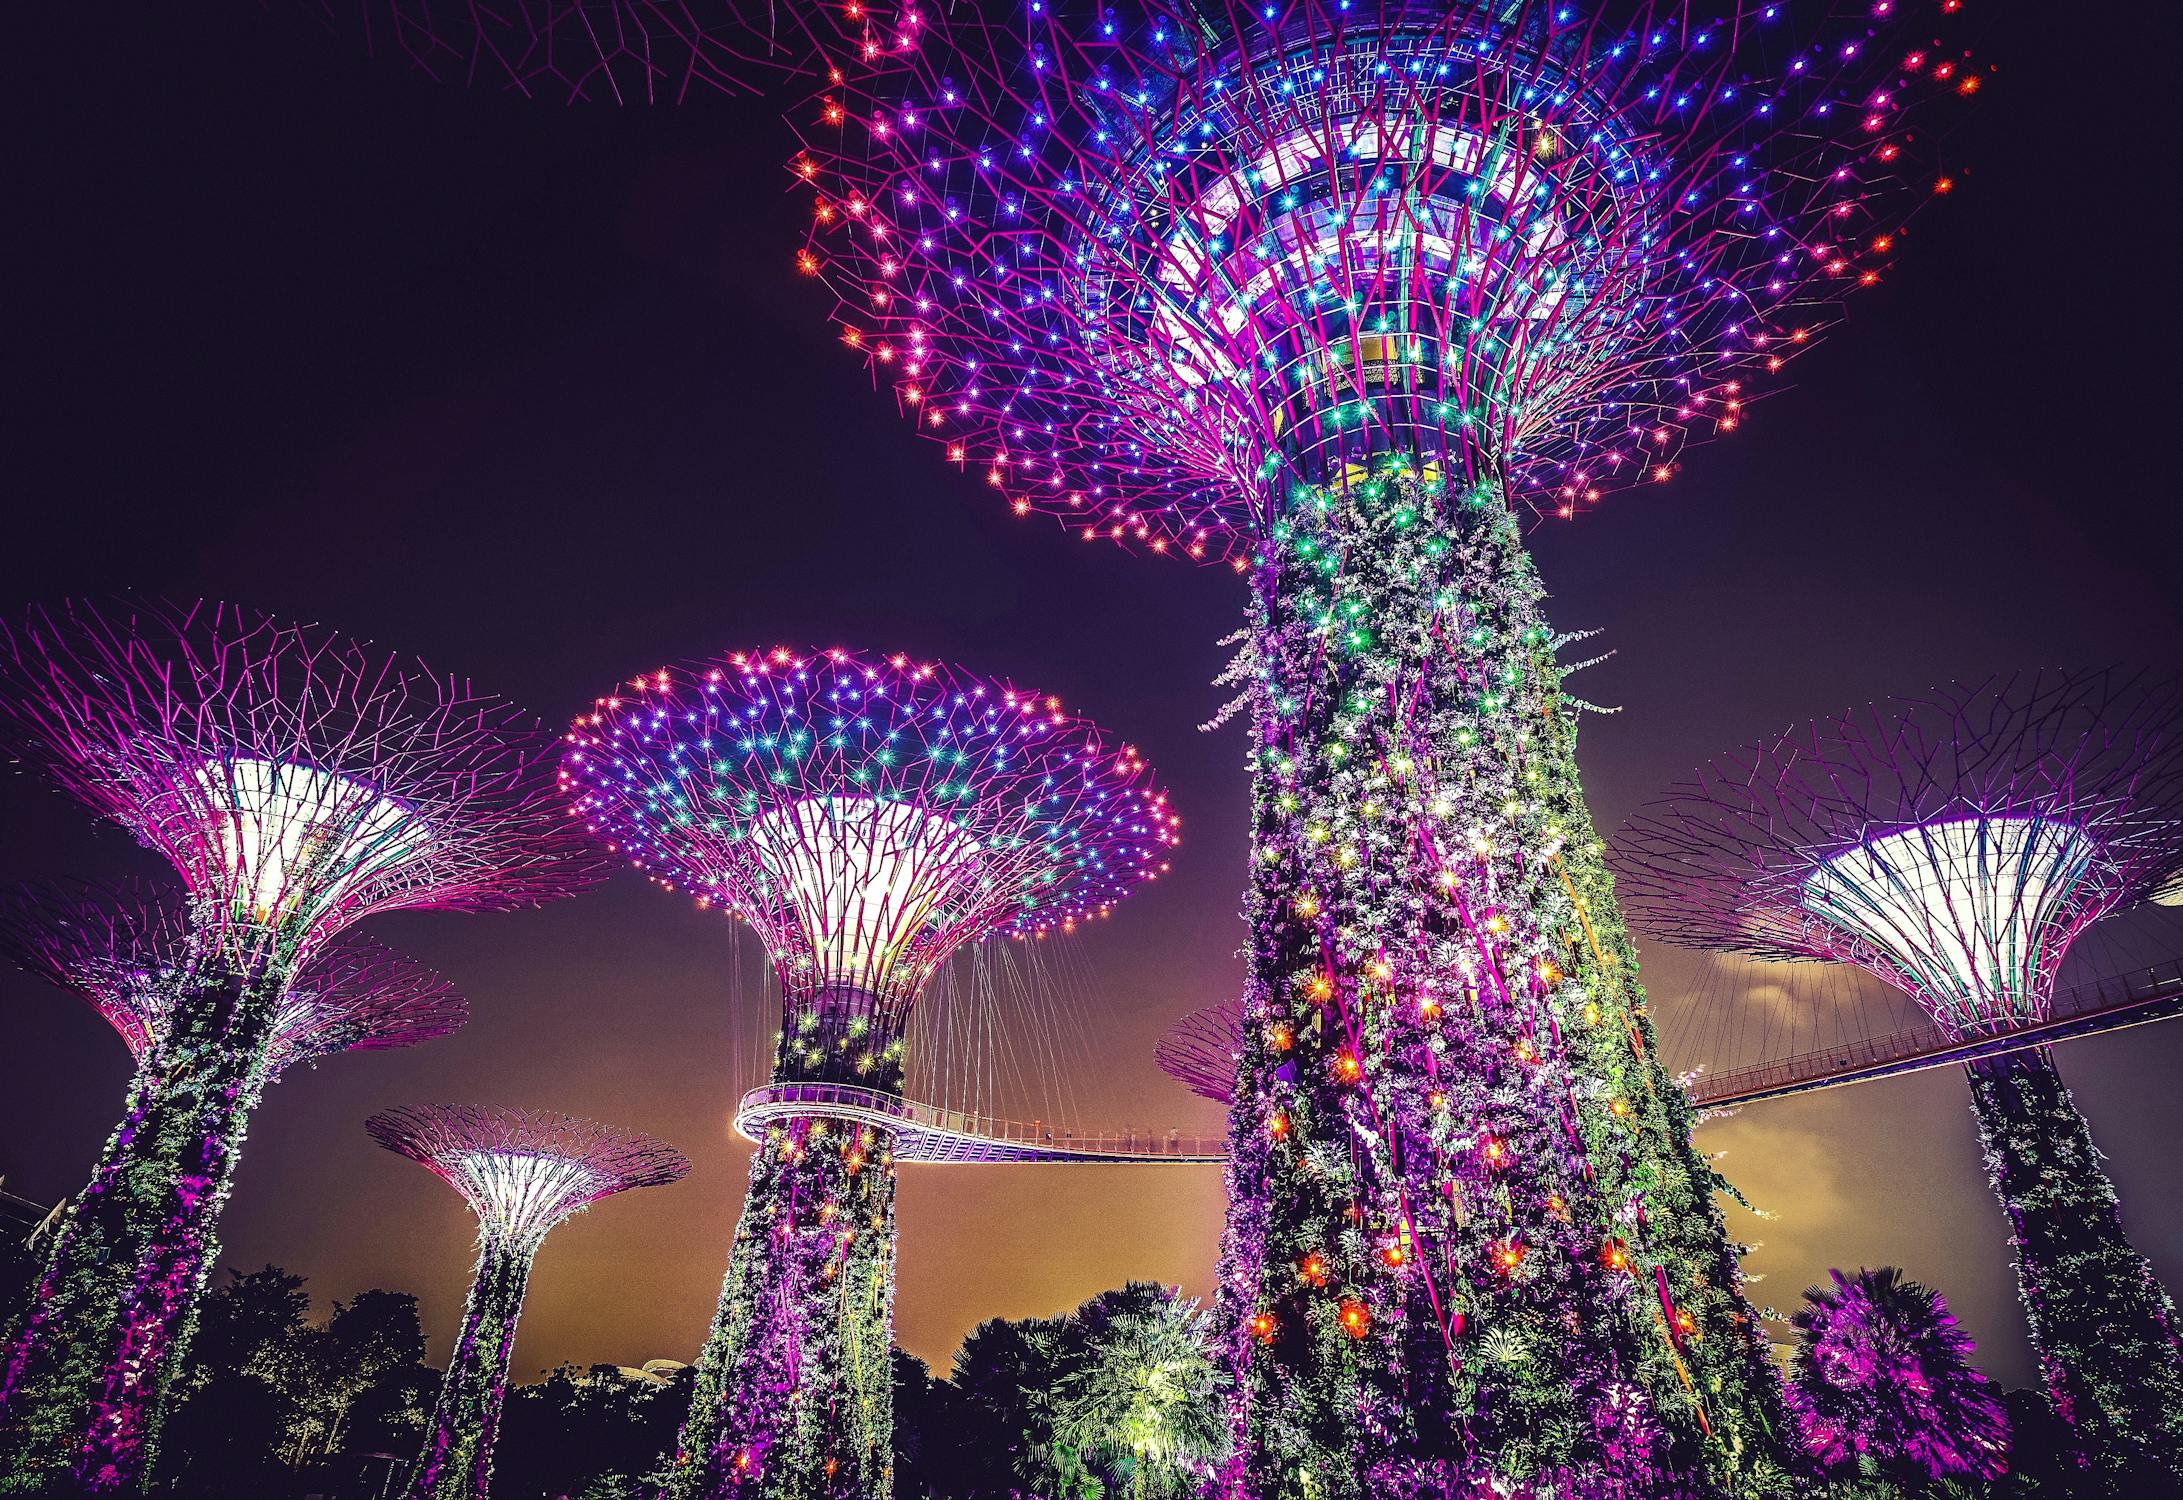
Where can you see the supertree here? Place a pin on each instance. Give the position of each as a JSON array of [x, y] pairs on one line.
[[1324, 289], [1954, 845], [522, 1172], [125, 951], [1883, 1386], [298, 782], [1201, 1050], [626, 51], [867, 817]]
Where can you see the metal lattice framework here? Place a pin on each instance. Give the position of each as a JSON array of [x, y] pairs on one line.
[[1148, 269], [297, 780], [1952, 844], [126, 951], [624, 51], [1955, 845], [867, 816], [1200, 1051], [522, 1171]]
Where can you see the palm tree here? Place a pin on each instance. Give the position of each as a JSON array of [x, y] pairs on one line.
[[1145, 1396], [1883, 1387]]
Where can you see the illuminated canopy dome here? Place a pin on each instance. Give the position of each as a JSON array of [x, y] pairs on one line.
[[867, 816], [1954, 845], [125, 952], [523, 1171], [298, 781], [1155, 267]]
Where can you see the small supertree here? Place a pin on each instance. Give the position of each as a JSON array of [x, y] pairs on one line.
[[1954, 845], [1201, 1050], [1883, 1386], [298, 782], [868, 817], [125, 951], [626, 51], [1326, 290], [522, 1172]]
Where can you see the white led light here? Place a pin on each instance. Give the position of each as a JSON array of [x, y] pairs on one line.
[[863, 878], [1962, 909], [298, 838], [519, 1195]]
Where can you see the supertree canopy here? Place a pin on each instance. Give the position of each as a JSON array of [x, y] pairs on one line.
[[1326, 289], [126, 952], [1954, 845], [626, 51], [1201, 1050], [522, 1172], [867, 817], [298, 782]]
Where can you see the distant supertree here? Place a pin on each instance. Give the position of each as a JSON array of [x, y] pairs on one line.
[[626, 51], [1201, 1050], [125, 951], [1954, 845], [868, 817], [1324, 289], [522, 1172], [298, 782], [1883, 1386]]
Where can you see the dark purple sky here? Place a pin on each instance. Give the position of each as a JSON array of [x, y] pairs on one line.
[[535, 394]]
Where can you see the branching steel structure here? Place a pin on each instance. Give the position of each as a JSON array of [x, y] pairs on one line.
[[868, 817], [522, 1172], [125, 951], [298, 782], [1201, 1051], [1954, 845], [1326, 290]]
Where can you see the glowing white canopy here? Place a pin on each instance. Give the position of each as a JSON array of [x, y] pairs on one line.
[[862, 878], [519, 1195], [1962, 910], [296, 839]]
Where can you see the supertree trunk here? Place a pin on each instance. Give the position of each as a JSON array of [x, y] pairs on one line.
[[794, 1395], [88, 1367], [2103, 1326], [457, 1463], [1469, 1236]]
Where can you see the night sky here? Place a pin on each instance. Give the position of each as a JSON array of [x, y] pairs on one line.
[[536, 395]]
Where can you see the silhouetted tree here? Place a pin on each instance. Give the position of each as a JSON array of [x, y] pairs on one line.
[[591, 1432]]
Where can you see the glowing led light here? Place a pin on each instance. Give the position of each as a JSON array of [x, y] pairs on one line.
[[1963, 908], [297, 839], [863, 878]]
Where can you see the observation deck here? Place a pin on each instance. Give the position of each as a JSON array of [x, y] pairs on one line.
[[928, 1134], [2136, 998]]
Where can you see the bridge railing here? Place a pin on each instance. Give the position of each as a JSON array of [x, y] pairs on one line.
[[1032, 1134], [2115, 992]]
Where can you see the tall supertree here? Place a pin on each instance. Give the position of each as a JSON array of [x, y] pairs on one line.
[[125, 951], [1326, 290], [298, 782], [1954, 845], [627, 51], [522, 1172], [868, 817]]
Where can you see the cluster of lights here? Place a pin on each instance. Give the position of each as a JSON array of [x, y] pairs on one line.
[[868, 816], [1146, 276]]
